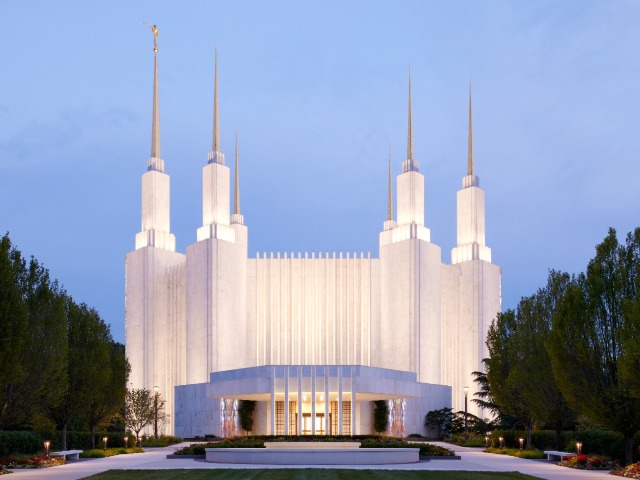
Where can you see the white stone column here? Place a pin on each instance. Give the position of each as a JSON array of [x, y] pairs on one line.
[[326, 401], [273, 402], [313, 400], [339, 400], [286, 400], [299, 432], [353, 405]]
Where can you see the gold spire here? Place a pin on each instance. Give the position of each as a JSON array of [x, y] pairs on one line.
[[470, 144], [216, 125], [390, 193], [155, 120], [410, 128], [236, 208]]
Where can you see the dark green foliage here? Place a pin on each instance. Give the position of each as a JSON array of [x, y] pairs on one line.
[[594, 340], [245, 414], [58, 360], [441, 420], [600, 442], [161, 441], [380, 416], [12, 443]]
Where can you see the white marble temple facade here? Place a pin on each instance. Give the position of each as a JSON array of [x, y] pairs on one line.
[[214, 309]]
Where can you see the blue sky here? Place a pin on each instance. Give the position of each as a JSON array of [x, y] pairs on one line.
[[318, 92]]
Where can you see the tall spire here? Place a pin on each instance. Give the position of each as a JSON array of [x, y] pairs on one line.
[[236, 208], [216, 124], [470, 147], [410, 125], [390, 192], [155, 163]]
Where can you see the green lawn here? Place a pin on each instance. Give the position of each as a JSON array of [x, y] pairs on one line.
[[305, 473]]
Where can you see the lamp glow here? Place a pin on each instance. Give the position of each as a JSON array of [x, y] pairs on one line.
[[47, 444]]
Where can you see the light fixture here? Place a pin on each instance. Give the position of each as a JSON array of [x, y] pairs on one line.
[[501, 440], [104, 440], [47, 444], [579, 447], [126, 442], [521, 443], [486, 441]]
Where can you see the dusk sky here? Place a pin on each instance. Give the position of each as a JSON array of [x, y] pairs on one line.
[[318, 93]]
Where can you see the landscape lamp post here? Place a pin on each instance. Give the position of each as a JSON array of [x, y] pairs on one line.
[[47, 444], [466, 391], [486, 441], [521, 443], [155, 409], [126, 442], [501, 440], [579, 448], [104, 440]]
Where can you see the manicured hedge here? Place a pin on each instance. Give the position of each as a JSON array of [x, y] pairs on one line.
[[12, 443], [601, 442], [82, 440]]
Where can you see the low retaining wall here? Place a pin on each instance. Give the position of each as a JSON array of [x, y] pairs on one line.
[[313, 456], [311, 445]]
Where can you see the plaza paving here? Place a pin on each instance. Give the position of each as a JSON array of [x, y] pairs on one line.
[[155, 459]]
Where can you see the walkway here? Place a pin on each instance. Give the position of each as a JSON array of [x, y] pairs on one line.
[[154, 459]]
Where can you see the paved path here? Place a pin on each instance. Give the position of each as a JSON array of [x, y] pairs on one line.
[[154, 459]]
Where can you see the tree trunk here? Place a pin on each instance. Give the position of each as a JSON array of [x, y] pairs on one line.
[[64, 436], [93, 437], [628, 447], [558, 438]]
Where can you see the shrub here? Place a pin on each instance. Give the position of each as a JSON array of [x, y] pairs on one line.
[[630, 471], [529, 453], [468, 440], [20, 442], [245, 414], [162, 441], [109, 452], [380, 415]]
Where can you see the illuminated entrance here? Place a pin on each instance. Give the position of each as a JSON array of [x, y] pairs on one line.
[[308, 426]]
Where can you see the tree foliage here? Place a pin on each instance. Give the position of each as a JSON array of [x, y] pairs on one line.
[[380, 415], [594, 343], [58, 359], [245, 414], [140, 409]]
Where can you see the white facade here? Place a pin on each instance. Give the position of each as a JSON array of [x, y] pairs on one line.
[[214, 309]]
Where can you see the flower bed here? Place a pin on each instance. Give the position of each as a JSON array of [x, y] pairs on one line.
[[588, 462], [30, 462], [630, 471], [367, 441]]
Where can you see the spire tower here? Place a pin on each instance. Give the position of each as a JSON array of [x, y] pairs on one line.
[[216, 156], [155, 162], [390, 192], [470, 143], [236, 205], [410, 125], [410, 165]]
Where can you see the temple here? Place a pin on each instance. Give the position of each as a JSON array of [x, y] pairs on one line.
[[313, 338]]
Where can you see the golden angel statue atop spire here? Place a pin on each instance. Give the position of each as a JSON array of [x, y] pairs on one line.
[[154, 29]]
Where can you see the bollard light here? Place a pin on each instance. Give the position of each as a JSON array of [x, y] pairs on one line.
[[126, 442], [501, 440], [47, 444], [521, 443], [486, 441], [579, 447], [104, 441]]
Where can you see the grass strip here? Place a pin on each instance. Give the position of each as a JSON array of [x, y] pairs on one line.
[[303, 474]]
